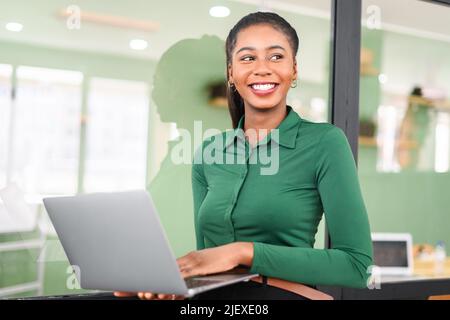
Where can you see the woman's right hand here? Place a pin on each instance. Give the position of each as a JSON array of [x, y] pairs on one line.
[[148, 295]]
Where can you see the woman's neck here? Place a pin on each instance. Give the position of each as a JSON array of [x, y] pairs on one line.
[[262, 122]]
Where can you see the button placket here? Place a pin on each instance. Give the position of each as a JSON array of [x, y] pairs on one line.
[[237, 189]]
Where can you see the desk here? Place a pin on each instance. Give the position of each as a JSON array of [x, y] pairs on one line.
[[424, 283], [403, 290]]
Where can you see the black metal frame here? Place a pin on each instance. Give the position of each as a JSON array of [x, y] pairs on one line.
[[344, 99], [344, 75], [345, 56]]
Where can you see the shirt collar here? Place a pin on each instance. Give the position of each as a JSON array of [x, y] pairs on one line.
[[288, 129]]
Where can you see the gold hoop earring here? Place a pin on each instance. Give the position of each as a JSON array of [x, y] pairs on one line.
[[295, 84]]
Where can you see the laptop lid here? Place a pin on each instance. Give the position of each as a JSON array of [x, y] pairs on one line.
[[116, 242]]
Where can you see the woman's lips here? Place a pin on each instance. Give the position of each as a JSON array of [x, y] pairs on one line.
[[263, 89]]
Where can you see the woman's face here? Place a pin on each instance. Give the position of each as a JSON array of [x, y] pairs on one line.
[[262, 67]]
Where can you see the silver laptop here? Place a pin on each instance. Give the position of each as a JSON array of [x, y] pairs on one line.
[[116, 242], [393, 257]]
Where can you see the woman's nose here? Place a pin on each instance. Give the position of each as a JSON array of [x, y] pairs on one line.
[[261, 68]]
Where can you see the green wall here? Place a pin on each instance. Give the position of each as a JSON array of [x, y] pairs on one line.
[[415, 202], [370, 96]]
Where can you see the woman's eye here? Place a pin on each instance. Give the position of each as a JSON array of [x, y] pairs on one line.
[[277, 56], [247, 58]]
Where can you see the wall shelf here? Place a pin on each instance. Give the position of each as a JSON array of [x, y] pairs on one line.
[[440, 105]]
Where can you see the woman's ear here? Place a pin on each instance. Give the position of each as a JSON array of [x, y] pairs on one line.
[[295, 69]]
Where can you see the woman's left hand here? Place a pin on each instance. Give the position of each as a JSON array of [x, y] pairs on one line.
[[212, 260]]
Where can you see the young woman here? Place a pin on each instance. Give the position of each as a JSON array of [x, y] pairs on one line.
[[268, 222]]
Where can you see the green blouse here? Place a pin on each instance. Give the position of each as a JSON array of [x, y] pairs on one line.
[[280, 212]]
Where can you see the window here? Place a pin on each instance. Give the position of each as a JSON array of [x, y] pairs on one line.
[[116, 149], [5, 110], [45, 134]]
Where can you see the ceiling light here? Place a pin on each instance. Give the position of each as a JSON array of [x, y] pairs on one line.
[[219, 12], [138, 44], [14, 26]]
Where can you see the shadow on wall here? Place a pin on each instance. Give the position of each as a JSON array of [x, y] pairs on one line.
[[181, 81]]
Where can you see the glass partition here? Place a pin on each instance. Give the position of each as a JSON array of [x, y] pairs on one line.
[[404, 120], [104, 91]]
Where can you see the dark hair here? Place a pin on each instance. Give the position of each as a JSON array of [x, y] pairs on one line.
[[235, 102]]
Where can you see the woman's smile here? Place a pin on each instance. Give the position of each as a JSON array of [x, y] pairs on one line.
[[263, 88]]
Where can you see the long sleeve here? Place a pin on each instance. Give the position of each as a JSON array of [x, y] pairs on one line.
[[346, 263], [199, 191]]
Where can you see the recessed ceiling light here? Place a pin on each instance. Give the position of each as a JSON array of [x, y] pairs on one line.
[[219, 12], [138, 44], [14, 26]]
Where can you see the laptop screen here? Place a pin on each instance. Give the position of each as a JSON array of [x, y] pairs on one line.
[[390, 253]]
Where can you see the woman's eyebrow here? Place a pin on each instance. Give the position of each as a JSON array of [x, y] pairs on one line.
[[276, 46]]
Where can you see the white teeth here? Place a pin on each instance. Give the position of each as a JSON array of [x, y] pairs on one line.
[[263, 87]]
